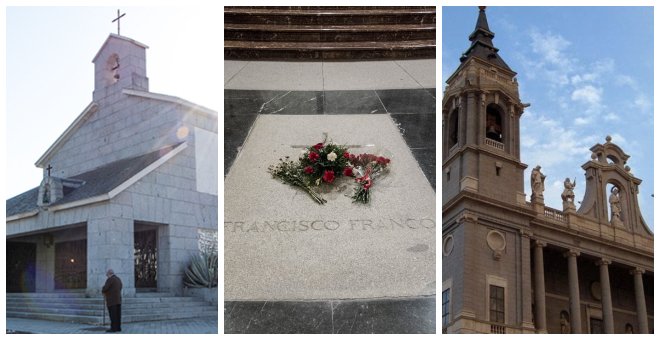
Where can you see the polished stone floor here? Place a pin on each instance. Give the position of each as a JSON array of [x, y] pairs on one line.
[[404, 90], [400, 316], [412, 109]]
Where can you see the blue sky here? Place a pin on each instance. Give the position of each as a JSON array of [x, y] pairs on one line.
[[50, 75], [588, 73]]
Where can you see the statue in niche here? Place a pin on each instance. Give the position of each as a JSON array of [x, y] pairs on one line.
[[615, 206], [46, 198], [564, 323], [538, 182]]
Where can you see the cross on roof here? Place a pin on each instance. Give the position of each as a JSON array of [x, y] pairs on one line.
[[117, 20], [49, 168]]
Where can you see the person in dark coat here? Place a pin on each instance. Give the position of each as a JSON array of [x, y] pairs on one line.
[[112, 292]]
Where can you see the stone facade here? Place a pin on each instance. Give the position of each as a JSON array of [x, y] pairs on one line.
[[141, 161], [517, 266]]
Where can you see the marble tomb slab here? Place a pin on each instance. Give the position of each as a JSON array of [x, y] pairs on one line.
[[281, 245]]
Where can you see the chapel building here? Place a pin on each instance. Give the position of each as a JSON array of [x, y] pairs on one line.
[[510, 265], [130, 185]]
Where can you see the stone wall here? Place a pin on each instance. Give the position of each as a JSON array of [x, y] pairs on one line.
[[126, 126]]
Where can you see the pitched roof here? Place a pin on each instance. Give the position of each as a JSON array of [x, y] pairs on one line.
[[94, 107], [118, 37], [482, 43], [101, 183]]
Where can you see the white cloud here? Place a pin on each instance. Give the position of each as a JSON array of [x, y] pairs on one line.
[[603, 66], [624, 80], [554, 142], [587, 94], [551, 47], [582, 120], [581, 78], [619, 140], [611, 117], [642, 102]]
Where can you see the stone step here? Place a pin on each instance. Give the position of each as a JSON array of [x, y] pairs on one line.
[[47, 295], [100, 304], [76, 308], [334, 33], [351, 8], [96, 320], [329, 16], [189, 310], [315, 33], [56, 317], [258, 50], [96, 300], [171, 316]]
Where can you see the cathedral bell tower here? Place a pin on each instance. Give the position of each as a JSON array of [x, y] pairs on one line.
[[481, 112]]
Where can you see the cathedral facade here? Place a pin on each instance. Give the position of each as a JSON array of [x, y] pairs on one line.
[[512, 265]]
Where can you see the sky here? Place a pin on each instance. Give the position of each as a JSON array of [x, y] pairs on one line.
[[50, 75], [587, 72]]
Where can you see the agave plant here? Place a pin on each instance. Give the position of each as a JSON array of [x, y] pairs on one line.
[[202, 271]]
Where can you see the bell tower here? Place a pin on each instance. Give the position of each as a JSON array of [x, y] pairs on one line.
[[120, 64], [481, 112]]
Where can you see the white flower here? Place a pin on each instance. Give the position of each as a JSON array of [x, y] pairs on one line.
[[332, 156]]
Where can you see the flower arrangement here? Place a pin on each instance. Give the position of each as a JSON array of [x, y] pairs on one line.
[[324, 163]]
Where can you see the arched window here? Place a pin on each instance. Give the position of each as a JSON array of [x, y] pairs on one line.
[[453, 128], [112, 69], [494, 123], [629, 329]]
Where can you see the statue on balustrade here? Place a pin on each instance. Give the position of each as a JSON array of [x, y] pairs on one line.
[[538, 183]]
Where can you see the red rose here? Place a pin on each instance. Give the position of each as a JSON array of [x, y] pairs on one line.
[[318, 146], [367, 184], [382, 160], [347, 155], [348, 171], [309, 170], [328, 176], [313, 156]]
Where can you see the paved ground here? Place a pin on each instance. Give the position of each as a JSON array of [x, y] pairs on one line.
[[404, 89], [329, 76], [184, 326]]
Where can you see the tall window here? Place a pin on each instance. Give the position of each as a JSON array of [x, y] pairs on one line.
[[453, 128], [445, 307], [493, 123], [496, 304]]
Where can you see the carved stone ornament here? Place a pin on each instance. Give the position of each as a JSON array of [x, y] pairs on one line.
[[496, 242], [448, 245]]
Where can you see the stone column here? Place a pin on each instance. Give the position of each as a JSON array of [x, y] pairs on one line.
[[642, 318], [110, 245], [526, 283], [606, 296], [472, 118], [539, 287], [574, 288]]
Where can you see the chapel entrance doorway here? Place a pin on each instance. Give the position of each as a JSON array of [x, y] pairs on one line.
[[71, 264], [21, 267], [146, 257]]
